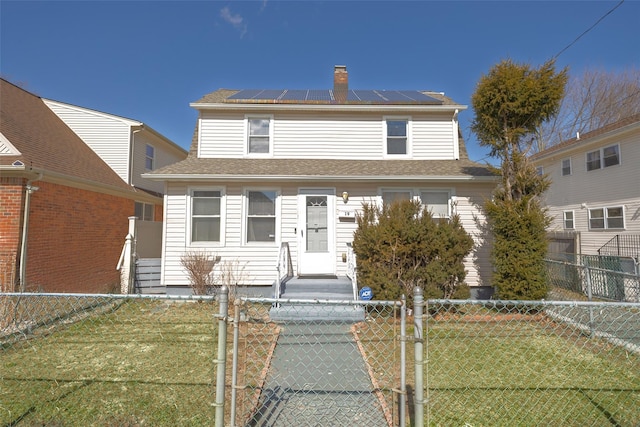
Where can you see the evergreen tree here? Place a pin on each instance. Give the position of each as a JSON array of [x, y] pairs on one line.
[[400, 246], [510, 104]]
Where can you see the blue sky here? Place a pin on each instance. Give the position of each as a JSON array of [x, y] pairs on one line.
[[147, 60]]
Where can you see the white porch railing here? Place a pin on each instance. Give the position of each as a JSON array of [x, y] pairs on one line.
[[351, 270], [284, 268], [126, 263]]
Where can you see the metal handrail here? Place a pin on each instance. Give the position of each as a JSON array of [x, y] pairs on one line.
[[351, 270], [284, 268]]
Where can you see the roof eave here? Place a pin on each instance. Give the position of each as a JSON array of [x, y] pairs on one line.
[[210, 177], [326, 107]]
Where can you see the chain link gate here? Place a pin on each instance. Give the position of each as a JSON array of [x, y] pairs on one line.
[[306, 362]]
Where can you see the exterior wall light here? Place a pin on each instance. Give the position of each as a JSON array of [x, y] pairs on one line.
[[345, 196]]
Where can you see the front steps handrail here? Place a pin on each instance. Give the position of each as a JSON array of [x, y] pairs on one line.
[[284, 268]]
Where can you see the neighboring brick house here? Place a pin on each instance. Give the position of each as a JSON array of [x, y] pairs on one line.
[[276, 169], [72, 234]]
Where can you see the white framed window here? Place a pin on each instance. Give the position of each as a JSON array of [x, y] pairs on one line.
[[391, 195], [568, 220], [150, 157], [539, 170], [603, 158], [397, 136], [259, 135], [144, 211], [438, 202], [262, 212], [606, 218], [206, 215], [566, 167]]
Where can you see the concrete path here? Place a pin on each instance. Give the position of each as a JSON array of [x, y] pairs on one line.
[[318, 377]]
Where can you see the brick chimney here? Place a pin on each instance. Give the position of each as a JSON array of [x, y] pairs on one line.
[[340, 83]]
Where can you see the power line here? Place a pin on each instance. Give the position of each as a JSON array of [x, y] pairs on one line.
[[588, 29]]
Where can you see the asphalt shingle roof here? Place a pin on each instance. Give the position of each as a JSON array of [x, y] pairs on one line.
[[46, 143]]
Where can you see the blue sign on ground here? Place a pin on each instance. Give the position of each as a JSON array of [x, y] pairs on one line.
[[366, 293]]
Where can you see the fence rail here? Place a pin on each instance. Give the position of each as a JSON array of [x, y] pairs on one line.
[[76, 360]]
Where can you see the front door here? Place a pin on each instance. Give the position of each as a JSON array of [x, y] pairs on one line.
[[316, 232]]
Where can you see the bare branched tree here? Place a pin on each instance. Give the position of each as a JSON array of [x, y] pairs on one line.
[[199, 267], [592, 100]]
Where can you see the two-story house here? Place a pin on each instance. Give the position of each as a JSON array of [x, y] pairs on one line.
[[594, 197], [269, 168], [64, 210]]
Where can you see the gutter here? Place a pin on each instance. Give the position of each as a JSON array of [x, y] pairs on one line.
[[30, 189], [326, 107], [194, 177]]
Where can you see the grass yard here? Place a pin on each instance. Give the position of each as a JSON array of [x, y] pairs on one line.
[[144, 363]]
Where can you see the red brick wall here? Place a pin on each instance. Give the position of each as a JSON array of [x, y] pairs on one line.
[[75, 239], [11, 204]]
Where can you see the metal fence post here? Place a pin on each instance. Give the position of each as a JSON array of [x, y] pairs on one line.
[[590, 297], [234, 363], [403, 362], [221, 357], [418, 350]]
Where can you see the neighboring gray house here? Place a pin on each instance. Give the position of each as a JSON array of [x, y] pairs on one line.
[[271, 170], [594, 197]]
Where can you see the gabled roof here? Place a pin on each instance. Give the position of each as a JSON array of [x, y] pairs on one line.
[[46, 144], [590, 137]]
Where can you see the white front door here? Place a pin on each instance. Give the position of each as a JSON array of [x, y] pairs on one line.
[[316, 232]]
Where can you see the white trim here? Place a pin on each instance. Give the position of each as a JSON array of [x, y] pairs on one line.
[[409, 136], [601, 153], [605, 218], [245, 216], [293, 178], [564, 220], [247, 118], [325, 262], [124, 120], [328, 107], [12, 150], [189, 221], [562, 167]]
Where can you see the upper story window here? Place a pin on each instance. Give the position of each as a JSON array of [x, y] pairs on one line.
[[604, 157], [206, 215], [566, 167], [150, 157], [259, 135], [437, 202], [261, 215], [568, 220], [606, 218], [540, 170], [397, 132], [144, 211]]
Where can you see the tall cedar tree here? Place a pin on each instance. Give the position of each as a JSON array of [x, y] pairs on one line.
[[400, 246], [510, 104]]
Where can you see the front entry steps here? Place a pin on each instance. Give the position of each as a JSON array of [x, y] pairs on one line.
[[318, 292]]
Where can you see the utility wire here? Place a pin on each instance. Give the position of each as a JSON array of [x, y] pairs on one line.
[[588, 29]]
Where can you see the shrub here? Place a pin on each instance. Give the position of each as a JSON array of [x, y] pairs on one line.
[[401, 246], [199, 267]]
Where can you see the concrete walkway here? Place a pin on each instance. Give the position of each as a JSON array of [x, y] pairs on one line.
[[318, 377]]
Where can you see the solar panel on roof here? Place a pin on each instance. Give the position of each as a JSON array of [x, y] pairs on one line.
[[295, 95], [419, 96], [367, 95], [319, 95], [245, 94], [269, 94]]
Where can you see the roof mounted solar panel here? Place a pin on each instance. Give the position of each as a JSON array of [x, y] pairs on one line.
[[295, 95], [245, 94], [269, 94], [419, 96], [367, 95], [319, 95]]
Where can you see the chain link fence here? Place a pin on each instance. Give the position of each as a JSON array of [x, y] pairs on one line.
[[111, 360]]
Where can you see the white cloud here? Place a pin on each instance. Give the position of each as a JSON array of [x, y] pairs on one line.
[[235, 20]]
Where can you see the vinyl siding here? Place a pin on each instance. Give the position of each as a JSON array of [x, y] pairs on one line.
[[325, 136], [108, 136], [607, 187], [163, 156], [259, 262]]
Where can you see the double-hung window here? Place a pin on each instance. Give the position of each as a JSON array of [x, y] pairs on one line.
[[144, 211], [437, 202], [205, 215], [259, 135], [603, 158], [606, 218], [261, 215], [568, 220], [566, 167], [390, 196], [150, 157], [397, 136]]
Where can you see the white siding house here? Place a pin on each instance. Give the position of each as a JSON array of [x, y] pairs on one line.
[[595, 192], [129, 147], [293, 167]]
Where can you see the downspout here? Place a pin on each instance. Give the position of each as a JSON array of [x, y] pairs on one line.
[[25, 231]]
